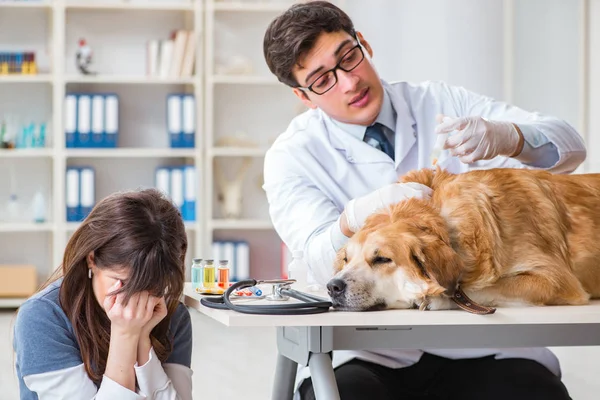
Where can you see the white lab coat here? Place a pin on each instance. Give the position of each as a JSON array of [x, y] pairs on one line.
[[316, 166]]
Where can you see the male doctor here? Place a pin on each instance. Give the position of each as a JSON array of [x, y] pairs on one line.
[[339, 161]]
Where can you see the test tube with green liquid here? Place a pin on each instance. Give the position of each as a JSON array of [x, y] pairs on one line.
[[209, 274]]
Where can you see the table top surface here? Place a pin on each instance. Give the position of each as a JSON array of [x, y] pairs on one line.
[[586, 314]]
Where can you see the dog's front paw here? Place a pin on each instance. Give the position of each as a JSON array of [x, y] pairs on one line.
[[440, 303]]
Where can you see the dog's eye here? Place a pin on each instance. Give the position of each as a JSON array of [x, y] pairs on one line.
[[420, 266], [381, 260], [345, 259]]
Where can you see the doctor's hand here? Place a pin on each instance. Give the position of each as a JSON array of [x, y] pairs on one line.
[[480, 139], [357, 210]]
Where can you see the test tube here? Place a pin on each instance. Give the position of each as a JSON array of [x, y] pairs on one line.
[[209, 274], [197, 274], [223, 274]]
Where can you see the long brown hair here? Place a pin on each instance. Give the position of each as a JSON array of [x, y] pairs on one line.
[[141, 230]]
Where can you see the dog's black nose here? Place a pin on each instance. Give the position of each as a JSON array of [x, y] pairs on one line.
[[335, 287]]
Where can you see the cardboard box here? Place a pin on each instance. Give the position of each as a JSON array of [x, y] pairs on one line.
[[18, 280]]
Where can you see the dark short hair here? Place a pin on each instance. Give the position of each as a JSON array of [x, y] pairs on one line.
[[293, 34]]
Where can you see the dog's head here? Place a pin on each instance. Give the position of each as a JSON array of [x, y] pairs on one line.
[[399, 259]]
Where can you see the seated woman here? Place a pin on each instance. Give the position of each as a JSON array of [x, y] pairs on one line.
[[108, 324]]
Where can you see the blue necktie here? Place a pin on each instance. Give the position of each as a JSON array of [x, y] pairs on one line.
[[375, 137]]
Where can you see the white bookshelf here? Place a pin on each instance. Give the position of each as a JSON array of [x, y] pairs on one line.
[[42, 4], [39, 78], [57, 26], [128, 80], [226, 103], [131, 6]]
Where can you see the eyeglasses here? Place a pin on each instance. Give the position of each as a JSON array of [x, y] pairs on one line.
[[327, 80]]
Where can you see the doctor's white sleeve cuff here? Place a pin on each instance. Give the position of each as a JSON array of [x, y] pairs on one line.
[[338, 239], [538, 150]]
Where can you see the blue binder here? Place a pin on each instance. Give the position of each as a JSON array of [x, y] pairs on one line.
[[84, 121], [111, 122], [189, 193], [98, 116], [188, 118], [71, 120], [72, 194], [87, 191], [175, 120]]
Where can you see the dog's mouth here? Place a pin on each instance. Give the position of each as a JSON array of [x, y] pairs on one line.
[[343, 305]]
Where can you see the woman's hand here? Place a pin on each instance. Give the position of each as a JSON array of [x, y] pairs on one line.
[[158, 306], [159, 312], [126, 324], [128, 319]]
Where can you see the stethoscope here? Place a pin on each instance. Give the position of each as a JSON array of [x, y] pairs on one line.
[[281, 291]]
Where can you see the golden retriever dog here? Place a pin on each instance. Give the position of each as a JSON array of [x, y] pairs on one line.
[[504, 236]]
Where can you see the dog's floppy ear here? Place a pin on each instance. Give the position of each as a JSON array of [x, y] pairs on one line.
[[434, 254], [440, 263]]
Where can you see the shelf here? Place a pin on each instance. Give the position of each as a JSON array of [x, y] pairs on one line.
[[72, 226], [243, 80], [26, 4], [11, 302], [131, 153], [147, 5], [26, 227], [24, 78], [247, 6], [128, 80], [237, 152], [25, 153], [241, 224]]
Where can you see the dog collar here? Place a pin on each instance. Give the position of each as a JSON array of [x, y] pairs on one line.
[[464, 302]]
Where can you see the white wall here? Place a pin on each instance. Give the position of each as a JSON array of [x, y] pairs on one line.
[[460, 42]]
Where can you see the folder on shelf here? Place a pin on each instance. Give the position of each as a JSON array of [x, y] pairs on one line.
[[72, 194], [111, 122], [228, 253], [166, 56], [189, 59], [88, 192], [189, 121], [242, 259], [152, 62], [84, 121], [97, 121], [162, 180], [70, 120], [180, 39], [217, 252], [189, 198], [174, 120], [177, 187]]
